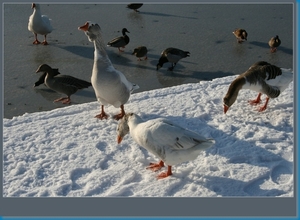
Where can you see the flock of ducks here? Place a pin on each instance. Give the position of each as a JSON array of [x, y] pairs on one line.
[[171, 143]]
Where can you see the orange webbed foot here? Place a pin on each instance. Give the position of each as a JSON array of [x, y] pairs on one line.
[[261, 109], [163, 175], [102, 116], [254, 102], [45, 43], [118, 116], [36, 42], [64, 100], [156, 166]]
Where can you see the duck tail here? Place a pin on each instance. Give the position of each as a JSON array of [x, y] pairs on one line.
[[187, 54], [287, 70], [134, 87]]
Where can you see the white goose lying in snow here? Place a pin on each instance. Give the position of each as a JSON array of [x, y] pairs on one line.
[[39, 24], [110, 85], [169, 142], [263, 78]]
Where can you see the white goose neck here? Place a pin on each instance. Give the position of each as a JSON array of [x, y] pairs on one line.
[[37, 11], [134, 121], [100, 52]]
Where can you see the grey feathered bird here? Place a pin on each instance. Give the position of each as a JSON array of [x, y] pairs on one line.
[[172, 55], [64, 84], [261, 77]]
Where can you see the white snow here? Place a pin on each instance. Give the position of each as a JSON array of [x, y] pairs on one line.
[[67, 152]]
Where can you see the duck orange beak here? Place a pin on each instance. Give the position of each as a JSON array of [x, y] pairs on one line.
[[84, 27], [225, 109], [119, 139]]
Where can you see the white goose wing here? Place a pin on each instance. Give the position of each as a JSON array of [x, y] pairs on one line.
[[130, 86], [47, 24], [174, 136], [170, 142]]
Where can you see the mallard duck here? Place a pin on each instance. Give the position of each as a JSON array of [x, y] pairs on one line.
[[110, 85], [135, 6], [140, 52], [172, 55], [274, 42], [121, 41], [261, 77], [240, 34], [39, 24], [62, 83], [171, 143]]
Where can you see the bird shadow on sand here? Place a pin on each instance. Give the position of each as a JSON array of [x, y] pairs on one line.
[[164, 15], [238, 152], [220, 186], [83, 51], [266, 45], [179, 72], [51, 95], [46, 93]]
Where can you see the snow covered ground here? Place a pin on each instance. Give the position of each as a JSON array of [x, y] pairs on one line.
[[67, 152]]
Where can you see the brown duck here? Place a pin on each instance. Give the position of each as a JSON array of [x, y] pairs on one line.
[[274, 42], [240, 34], [120, 42], [140, 52]]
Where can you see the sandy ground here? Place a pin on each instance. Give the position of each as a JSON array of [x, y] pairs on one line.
[[205, 30]]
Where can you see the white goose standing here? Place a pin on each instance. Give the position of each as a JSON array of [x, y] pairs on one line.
[[166, 140], [110, 85], [261, 77], [39, 24]]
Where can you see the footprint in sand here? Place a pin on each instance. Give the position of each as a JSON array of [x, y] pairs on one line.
[[76, 174], [281, 174]]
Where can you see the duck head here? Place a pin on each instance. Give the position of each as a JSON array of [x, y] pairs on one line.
[[226, 105], [161, 62], [233, 92], [244, 35], [35, 6], [124, 31], [43, 68], [123, 128], [91, 29]]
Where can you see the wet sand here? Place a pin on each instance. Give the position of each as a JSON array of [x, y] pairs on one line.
[[205, 30]]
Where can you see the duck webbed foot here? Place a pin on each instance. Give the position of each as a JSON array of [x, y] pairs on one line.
[[102, 115], [64, 100], [156, 166], [36, 42], [122, 113], [45, 43], [165, 174], [255, 101], [264, 107]]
